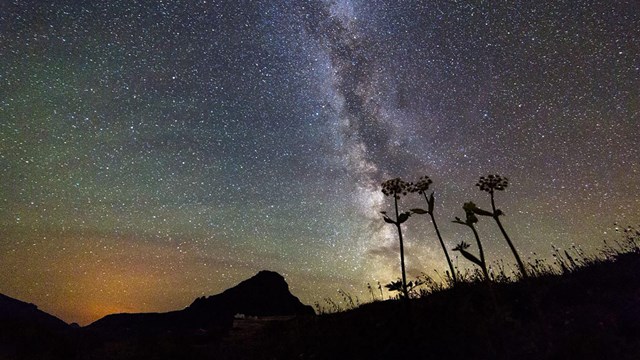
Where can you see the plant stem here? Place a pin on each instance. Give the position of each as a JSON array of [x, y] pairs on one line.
[[404, 275], [444, 248], [496, 217], [484, 269], [482, 261]]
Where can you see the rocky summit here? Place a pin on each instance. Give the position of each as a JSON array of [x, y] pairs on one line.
[[265, 294]]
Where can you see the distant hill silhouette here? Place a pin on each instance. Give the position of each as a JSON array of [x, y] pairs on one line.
[[265, 294], [13, 310], [22, 326]]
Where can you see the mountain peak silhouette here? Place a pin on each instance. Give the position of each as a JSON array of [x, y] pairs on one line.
[[265, 294]]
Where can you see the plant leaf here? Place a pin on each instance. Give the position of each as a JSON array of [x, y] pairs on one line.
[[471, 257], [419, 211], [430, 202], [387, 220], [479, 211]]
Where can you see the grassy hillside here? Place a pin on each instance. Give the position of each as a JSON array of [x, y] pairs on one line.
[[586, 311]]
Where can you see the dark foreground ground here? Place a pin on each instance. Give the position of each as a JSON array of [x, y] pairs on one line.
[[592, 312]]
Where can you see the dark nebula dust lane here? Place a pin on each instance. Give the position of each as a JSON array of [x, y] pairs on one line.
[[154, 152]]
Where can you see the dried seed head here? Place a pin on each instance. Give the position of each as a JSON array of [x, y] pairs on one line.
[[395, 187], [491, 183], [422, 185]]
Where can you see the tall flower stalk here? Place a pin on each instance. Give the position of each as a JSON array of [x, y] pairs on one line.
[[421, 188], [490, 184], [471, 210], [396, 188]]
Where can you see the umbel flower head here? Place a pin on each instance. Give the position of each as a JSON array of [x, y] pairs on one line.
[[490, 183], [421, 186], [395, 187]]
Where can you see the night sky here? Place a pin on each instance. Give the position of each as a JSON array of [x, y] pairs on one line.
[[156, 151]]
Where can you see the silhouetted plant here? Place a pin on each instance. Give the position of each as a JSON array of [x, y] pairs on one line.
[[396, 188], [348, 303], [320, 310], [398, 286], [470, 221], [631, 236], [538, 267], [373, 295], [421, 188], [430, 286], [500, 274], [333, 306], [490, 184], [565, 261], [348, 300]]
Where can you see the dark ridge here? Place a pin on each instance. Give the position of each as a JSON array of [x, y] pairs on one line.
[[265, 294], [28, 333], [13, 310]]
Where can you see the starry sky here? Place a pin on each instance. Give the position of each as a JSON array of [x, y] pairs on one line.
[[156, 151]]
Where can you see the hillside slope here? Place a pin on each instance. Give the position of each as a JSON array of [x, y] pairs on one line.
[[590, 313], [29, 333]]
